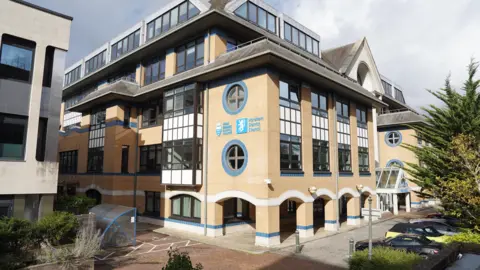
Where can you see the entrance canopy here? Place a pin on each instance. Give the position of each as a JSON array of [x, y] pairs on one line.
[[391, 180], [116, 223]]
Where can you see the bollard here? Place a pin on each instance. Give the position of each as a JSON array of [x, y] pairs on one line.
[[297, 241], [351, 248]]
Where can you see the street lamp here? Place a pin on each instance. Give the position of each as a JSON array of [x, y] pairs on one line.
[[370, 228]]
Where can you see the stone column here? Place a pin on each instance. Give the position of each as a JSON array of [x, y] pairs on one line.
[[267, 226], [353, 211], [305, 219], [395, 204], [330, 215]]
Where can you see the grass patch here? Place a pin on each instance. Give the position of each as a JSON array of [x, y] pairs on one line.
[[384, 258]]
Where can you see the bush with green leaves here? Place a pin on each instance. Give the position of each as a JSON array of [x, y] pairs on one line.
[[75, 204], [58, 228], [465, 237], [180, 260], [18, 238], [384, 258]]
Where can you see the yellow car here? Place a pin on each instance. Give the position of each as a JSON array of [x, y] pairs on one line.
[[417, 229]]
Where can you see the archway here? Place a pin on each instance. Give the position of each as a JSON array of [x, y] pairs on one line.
[[320, 216], [237, 215], [94, 194], [288, 217]]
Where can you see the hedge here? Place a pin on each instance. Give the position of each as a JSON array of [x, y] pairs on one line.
[[383, 258]]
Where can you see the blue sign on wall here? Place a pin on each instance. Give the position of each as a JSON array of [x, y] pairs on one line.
[[242, 125], [227, 128], [218, 129]]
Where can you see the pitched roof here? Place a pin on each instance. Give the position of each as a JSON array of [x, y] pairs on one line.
[[342, 57]]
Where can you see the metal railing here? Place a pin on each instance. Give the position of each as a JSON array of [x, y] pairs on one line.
[[279, 44], [388, 111]]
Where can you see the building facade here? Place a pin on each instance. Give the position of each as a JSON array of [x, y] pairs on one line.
[[217, 118], [33, 45]]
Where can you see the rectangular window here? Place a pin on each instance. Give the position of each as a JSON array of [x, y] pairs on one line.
[[343, 136], [154, 70], [152, 203], [95, 62], [13, 130], [300, 39], [178, 155], [320, 132], [152, 113], [177, 15], [290, 127], [362, 137], [186, 207], [96, 141], [387, 87], [68, 162], [126, 45], [125, 149], [257, 15], [190, 55], [151, 158], [16, 58]]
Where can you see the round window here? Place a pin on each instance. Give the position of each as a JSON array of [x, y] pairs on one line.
[[393, 138], [234, 158], [235, 97]]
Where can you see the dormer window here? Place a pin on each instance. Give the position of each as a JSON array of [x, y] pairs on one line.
[[258, 16], [300, 39]]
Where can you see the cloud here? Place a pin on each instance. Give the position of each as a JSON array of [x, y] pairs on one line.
[[414, 43]]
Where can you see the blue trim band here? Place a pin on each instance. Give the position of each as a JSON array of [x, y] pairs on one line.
[[365, 174], [292, 174], [415, 202], [322, 174], [330, 221], [301, 227], [225, 93], [346, 174], [133, 124], [209, 226], [226, 166], [353, 217], [267, 235]]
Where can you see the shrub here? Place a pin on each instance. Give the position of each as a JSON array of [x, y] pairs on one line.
[[383, 258], [465, 237], [58, 228], [18, 238], [180, 260], [75, 204]]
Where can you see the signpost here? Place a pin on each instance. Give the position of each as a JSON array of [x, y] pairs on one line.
[[370, 228]]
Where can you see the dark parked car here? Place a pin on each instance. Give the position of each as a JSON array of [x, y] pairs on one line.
[[417, 229], [453, 221], [439, 224], [411, 243]]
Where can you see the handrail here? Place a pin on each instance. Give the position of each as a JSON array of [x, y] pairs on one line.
[[388, 111], [277, 43]]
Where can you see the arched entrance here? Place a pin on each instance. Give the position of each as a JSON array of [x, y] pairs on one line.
[[320, 216], [94, 194], [288, 217]]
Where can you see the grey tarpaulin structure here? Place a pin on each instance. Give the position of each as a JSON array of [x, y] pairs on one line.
[[116, 223]]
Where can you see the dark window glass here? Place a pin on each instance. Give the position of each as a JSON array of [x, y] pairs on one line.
[[235, 97], [155, 70], [320, 156], [302, 40], [235, 157], [166, 20], [288, 32], [295, 36], [272, 25], [41, 139], [13, 129], [242, 11], [16, 58], [124, 168], [95, 63], [151, 30], [96, 141], [262, 18], [190, 55], [186, 207], [174, 17], [183, 16], [252, 12], [151, 158], [152, 204], [178, 155], [152, 113], [192, 10], [68, 162], [344, 160], [48, 67]]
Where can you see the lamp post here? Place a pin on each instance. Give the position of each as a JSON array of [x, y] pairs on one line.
[[370, 228]]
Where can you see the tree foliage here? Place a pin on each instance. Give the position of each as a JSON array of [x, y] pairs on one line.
[[450, 162]]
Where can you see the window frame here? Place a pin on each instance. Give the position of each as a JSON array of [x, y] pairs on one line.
[[255, 20], [363, 152], [315, 44], [239, 100], [24, 120], [131, 45], [72, 162], [192, 217], [182, 50], [156, 197], [156, 105], [149, 70], [19, 43], [96, 62], [393, 141], [96, 143], [320, 147], [344, 150], [146, 167], [124, 160]]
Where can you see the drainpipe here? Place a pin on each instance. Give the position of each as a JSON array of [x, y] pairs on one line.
[[335, 157], [136, 164], [205, 145]]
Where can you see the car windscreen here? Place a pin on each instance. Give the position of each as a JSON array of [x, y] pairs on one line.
[[431, 231]]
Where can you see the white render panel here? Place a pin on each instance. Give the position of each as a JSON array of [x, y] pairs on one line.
[[174, 135], [199, 177], [185, 132], [199, 132], [282, 127], [190, 119], [200, 119], [176, 177], [282, 112], [166, 177], [299, 130], [187, 177], [287, 114], [299, 118]]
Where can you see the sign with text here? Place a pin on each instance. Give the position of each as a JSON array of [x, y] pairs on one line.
[[242, 126]]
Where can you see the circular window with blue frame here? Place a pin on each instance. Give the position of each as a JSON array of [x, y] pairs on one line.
[[393, 138], [234, 158], [235, 97]]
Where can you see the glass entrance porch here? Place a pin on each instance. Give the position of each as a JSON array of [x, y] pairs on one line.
[[392, 188]]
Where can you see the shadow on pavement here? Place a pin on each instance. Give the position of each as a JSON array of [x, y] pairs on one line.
[[292, 262]]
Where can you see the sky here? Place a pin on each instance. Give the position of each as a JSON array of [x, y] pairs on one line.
[[417, 44]]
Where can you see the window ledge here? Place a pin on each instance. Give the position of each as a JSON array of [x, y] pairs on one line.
[[345, 174], [322, 174], [292, 173], [365, 174]]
